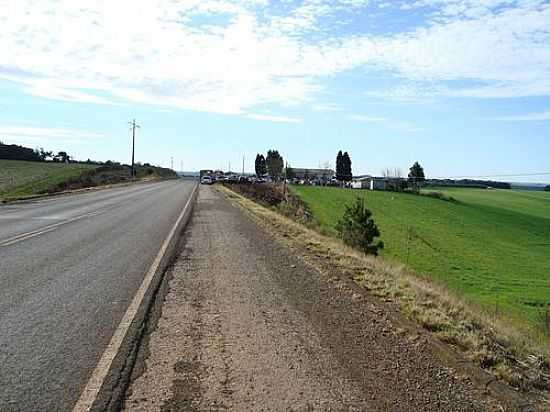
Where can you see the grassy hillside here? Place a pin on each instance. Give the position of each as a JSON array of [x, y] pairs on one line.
[[492, 246], [22, 178]]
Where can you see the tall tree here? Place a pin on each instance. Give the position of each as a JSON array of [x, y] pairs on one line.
[[547, 188], [261, 167], [339, 169], [274, 162], [416, 176], [62, 157], [347, 174], [44, 155]]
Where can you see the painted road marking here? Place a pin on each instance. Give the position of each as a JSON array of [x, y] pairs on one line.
[[28, 235], [91, 391]]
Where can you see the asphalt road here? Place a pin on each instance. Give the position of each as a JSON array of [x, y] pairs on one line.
[[69, 267]]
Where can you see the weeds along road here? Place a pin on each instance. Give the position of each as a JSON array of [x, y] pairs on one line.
[[246, 325], [69, 267]]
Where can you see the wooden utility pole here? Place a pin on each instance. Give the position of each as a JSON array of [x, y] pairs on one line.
[[134, 125]]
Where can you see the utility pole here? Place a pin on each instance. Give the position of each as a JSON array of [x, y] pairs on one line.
[[134, 125], [285, 183], [243, 165], [172, 162]]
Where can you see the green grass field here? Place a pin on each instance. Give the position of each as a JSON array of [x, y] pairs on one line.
[[492, 246], [21, 178]]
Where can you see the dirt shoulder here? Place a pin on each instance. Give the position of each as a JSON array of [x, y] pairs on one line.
[[248, 324]]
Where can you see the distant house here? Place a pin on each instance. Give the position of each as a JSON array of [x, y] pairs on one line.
[[369, 183], [312, 174]]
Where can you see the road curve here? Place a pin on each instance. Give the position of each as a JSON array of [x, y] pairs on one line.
[[69, 267]]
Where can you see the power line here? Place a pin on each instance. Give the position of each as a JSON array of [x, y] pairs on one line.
[[494, 176]]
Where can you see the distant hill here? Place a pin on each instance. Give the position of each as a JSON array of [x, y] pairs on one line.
[[188, 174], [20, 178], [528, 186]]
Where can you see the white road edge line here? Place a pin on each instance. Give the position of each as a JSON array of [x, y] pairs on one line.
[[90, 392]]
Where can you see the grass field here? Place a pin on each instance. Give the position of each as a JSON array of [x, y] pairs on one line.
[[21, 178], [491, 246]]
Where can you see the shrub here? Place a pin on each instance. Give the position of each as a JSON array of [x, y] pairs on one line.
[[358, 230], [439, 195]]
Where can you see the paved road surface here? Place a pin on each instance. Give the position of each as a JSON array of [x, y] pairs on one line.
[[69, 267]]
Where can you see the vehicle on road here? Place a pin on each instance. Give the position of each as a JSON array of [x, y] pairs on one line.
[[206, 180]]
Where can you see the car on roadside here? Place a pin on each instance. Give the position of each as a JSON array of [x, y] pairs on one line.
[[206, 180]]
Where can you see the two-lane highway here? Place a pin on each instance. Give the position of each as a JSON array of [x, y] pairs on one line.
[[69, 267]]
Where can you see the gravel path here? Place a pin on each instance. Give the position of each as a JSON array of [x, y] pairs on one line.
[[247, 326]]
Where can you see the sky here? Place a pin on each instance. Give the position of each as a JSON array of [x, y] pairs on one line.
[[461, 86]]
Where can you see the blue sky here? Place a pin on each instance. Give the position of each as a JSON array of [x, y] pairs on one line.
[[462, 86]]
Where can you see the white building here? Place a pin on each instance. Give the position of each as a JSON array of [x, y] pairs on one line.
[[369, 182]]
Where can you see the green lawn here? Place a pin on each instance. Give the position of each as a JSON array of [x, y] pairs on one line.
[[21, 178], [493, 246]]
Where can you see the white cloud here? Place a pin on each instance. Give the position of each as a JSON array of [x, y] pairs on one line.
[[40, 133], [326, 107], [529, 117], [398, 125], [247, 56], [272, 118]]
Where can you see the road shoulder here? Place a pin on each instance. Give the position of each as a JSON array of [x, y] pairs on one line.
[[248, 324]]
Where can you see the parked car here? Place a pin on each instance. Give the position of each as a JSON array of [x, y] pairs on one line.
[[206, 180]]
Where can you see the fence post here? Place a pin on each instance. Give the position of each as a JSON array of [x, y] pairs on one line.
[[408, 243]]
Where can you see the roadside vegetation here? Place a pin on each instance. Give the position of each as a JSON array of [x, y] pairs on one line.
[[357, 229], [19, 179], [489, 246], [513, 354], [467, 264], [26, 172], [24, 178]]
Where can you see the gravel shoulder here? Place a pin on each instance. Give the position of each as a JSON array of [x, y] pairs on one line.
[[246, 324]]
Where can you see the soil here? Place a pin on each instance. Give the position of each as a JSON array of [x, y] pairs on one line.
[[246, 325]]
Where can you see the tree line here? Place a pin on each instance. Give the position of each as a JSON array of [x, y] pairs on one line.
[[271, 165], [17, 152]]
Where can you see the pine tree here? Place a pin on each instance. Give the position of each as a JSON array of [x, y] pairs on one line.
[[274, 162], [347, 174], [339, 169], [261, 168], [416, 176], [357, 228]]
